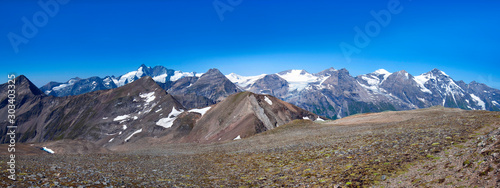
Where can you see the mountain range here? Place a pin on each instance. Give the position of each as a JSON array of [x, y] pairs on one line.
[[160, 105], [330, 93], [143, 111]]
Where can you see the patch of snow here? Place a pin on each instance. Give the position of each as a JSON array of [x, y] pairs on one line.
[[59, 87], [478, 101], [202, 111], [371, 80], [48, 150], [169, 120], [305, 117], [115, 81], [107, 80], [319, 119], [268, 100], [110, 140], [374, 81], [124, 127], [127, 78], [105, 118], [161, 78], [135, 117], [421, 80], [158, 110], [237, 138], [139, 72], [421, 99], [467, 100], [244, 81], [382, 72], [179, 74], [323, 80], [372, 88], [120, 133], [495, 103], [443, 73], [122, 118], [129, 137], [453, 88], [148, 96]]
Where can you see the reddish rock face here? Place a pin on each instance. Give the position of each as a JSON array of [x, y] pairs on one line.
[[244, 114]]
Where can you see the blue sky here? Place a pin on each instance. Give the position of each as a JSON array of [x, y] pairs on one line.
[[99, 38]]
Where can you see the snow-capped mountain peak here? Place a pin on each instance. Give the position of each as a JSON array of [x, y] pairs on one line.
[[381, 72], [372, 81]]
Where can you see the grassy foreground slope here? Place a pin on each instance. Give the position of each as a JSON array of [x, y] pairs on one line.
[[434, 147]]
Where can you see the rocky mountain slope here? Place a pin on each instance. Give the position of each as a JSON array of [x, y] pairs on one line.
[[209, 88], [104, 117], [142, 109], [239, 116]]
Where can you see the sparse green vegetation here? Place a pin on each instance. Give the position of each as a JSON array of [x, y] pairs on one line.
[[298, 153]]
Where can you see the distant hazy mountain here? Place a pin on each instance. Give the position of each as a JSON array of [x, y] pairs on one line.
[[193, 90], [335, 93], [76, 86], [211, 87]]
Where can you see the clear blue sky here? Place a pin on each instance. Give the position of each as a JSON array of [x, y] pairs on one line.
[[101, 37]]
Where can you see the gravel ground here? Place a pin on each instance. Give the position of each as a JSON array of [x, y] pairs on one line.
[[430, 148]]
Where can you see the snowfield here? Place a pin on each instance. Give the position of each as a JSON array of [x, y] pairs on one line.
[[268, 101], [202, 111], [48, 150], [244, 81], [122, 118], [148, 97], [478, 101], [299, 79], [128, 138], [421, 80], [169, 120]]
